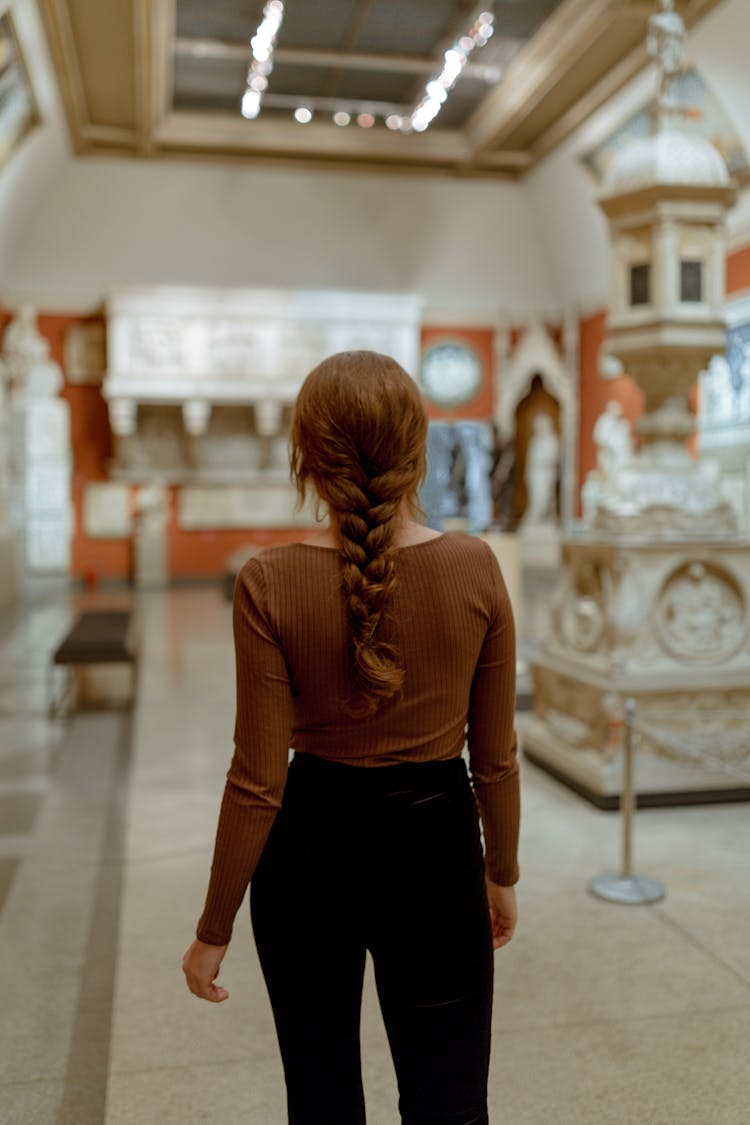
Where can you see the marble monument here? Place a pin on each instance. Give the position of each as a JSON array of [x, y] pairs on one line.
[[654, 597]]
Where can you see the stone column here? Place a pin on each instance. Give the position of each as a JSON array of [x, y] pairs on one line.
[[40, 447]]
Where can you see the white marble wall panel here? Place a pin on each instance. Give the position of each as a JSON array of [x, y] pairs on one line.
[[47, 430], [47, 511], [47, 489], [48, 544]]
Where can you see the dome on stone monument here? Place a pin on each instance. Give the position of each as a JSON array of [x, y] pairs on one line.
[[670, 156]]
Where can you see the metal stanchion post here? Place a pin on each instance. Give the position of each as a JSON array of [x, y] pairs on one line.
[[626, 887]]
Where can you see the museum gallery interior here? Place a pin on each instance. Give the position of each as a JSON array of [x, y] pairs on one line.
[[541, 210]]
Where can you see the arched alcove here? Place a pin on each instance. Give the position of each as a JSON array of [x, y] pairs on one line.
[[536, 356]]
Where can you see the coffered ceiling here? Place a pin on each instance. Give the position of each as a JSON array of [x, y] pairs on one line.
[[155, 78]]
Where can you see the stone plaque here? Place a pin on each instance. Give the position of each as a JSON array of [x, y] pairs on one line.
[[107, 511]]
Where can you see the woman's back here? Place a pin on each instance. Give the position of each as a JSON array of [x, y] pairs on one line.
[[447, 594], [451, 618]]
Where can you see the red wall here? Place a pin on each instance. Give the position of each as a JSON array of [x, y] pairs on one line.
[[738, 271], [203, 554]]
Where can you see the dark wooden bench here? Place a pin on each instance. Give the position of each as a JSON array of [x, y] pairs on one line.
[[97, 637]]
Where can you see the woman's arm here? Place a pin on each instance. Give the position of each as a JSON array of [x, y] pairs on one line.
[[492, 739], [257, 775]]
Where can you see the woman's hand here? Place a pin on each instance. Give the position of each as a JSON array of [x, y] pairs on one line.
[[503, 912], [200, 966]]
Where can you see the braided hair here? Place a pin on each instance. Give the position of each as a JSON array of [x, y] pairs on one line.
[[358, 436]]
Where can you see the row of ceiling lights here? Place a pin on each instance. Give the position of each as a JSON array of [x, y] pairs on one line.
[[418, 119]]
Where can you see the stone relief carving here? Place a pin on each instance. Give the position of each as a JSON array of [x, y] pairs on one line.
[[584, 618], [701, 614], [235, 350], [156, 345], [200, 381], [698, 728], [647, 502]]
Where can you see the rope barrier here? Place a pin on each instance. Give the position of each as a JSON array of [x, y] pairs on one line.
[[711, 740], [624, 886]]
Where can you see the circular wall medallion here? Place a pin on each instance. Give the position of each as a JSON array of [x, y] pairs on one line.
[[701, 613], [451, 373]]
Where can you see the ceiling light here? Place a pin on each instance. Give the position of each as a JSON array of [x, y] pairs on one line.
[[394, 121], [365, 120], [261, 64], [303, 115], [341, 117], [250, 104], [454, 60]]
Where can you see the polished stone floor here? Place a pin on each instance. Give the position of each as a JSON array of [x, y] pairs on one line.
[[602, 1013]]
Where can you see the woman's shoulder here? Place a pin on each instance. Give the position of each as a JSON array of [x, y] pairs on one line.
[[476, 556], [472, 546], [283, 557]]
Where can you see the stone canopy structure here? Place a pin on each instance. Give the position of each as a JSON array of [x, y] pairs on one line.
[[654, 598]]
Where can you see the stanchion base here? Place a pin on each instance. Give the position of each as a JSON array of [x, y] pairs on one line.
[[628, 889]]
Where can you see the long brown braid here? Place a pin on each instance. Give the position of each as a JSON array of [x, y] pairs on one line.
[[358, 436]]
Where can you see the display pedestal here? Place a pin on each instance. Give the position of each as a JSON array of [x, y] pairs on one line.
[[664, 623]]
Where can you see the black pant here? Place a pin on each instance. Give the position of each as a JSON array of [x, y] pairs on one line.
[[389, 859]]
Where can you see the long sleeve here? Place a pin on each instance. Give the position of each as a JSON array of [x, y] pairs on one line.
[[492, 739], [257, 775]]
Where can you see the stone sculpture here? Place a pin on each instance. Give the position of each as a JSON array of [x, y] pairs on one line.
[[665, 43], [152, 514], [542, 467], [613, 440]]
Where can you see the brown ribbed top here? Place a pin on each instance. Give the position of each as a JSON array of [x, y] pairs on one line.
[[451, 621]]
